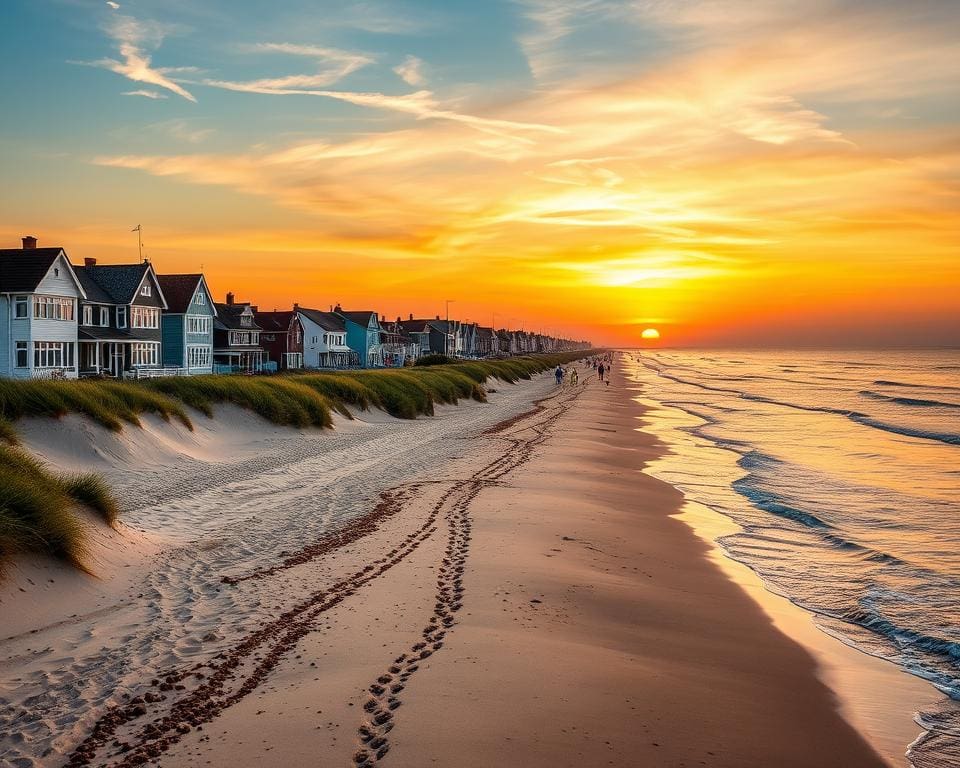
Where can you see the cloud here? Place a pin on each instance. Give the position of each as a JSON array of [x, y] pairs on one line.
[[181, 129], [131, 37], [411, 71], [113, 5], [333, 65], [146, 94]]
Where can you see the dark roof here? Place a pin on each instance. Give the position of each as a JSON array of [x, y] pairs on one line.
[[112, 283], [360, 317], [274, 321], [228, 316], [413, 326], [22, 269], [486, 333], [90, 333], [329, 321], [178, 290]]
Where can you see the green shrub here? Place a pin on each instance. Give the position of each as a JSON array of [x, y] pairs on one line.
[[434, 359]]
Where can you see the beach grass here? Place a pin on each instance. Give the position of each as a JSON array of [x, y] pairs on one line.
[[38, 508]]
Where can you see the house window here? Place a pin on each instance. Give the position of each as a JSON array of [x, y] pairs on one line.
[[21, 354], [21, 306], [198, 356], [246, 321], [88, 315], [52, 308], [144, 353], [198, 324], [121, 317], [245, 338], [104, 317], [201, 298], [146, 291], [144, 317], [52, 354]]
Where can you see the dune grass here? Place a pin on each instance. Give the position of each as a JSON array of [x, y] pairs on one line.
[[38, 507]]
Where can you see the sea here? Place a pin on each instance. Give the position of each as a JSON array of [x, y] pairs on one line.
[[842, 472]]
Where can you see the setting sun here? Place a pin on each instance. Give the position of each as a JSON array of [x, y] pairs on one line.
[[650, 334]]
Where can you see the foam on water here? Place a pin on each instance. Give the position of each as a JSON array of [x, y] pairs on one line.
[[844, 475]]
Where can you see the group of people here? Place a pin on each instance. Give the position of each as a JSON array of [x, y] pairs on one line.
[[602, 364]]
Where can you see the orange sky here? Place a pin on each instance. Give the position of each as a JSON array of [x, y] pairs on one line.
[[756, 174]]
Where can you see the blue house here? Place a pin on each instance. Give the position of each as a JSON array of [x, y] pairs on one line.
[[363, 336], [188, 323]]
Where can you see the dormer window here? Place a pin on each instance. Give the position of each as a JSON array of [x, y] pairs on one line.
[[201, 298], [121, 317], [246, 321], [146, 291]]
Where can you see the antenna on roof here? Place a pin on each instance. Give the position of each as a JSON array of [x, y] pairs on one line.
[[139, 232]]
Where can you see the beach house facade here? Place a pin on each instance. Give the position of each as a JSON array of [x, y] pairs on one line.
[[187, 324], [119, 332], [325, 340], [363, 336], [281, 338], [236, 338], [39, 300]]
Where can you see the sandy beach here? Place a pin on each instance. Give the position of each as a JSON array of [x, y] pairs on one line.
[[496, 585]]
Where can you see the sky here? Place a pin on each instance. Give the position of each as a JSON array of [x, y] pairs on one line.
[[730, 172]]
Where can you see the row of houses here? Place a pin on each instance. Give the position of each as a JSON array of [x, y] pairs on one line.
[[67, 320]]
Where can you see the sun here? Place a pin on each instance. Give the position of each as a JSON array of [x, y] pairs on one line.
[[650, 334]]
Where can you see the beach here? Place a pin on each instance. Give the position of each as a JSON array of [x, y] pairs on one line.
[[500, 584]]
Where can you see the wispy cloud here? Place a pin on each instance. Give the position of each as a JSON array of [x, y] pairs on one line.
[[131, 37], [411, 71], [113, 5], [146, 94]]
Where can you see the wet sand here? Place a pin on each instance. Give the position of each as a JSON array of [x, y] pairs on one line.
[[528, 601]]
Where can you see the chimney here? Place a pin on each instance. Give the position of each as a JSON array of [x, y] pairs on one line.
[[29, 243], [411, 316], [296, 307], [438, 317], [89, 262], [337, 308], [230, 299]]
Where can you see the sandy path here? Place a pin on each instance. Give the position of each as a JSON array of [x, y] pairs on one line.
[[273, 497]]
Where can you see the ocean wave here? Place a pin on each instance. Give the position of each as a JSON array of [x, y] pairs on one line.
[[940, 387], [769, 501], [904, 637], [908, 400], [949, 438]]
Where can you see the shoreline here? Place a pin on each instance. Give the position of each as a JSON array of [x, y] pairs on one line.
[[540, 542]]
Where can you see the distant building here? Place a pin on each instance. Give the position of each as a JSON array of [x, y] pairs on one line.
[[325, 340], [119, 324], [282, 338], [363, 336], [187, 323], [236, 338], [39, 295]]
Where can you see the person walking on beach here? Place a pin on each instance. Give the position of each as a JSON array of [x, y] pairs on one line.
[[600, 370], [559, 374], [574, 377]]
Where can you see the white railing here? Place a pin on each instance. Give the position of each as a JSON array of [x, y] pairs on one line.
[[51, 373], [155, 373]]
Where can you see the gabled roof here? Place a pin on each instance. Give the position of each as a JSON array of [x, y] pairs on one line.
[[361, 317], [179, 290], [23, 269], [228, 317], [329, 321], [274, 321], [415, 326], [115, 283]]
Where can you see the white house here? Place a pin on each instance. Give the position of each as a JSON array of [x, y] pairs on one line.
[[39, 293], [324, 339]]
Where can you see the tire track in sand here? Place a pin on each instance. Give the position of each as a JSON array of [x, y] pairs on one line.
[[386, 690], [185, 699]]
